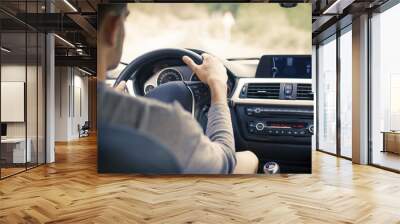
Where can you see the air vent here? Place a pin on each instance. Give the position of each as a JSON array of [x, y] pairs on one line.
[[263, 90], [304, 92]]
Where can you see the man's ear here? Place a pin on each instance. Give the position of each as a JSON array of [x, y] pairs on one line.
[[111, 29]]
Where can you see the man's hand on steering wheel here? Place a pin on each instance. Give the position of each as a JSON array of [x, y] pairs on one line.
[[121, 87], [213, 73]]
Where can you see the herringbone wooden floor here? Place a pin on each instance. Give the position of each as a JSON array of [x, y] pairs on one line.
[[71, 191]]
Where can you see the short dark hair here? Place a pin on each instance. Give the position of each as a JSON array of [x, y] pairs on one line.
[[104, 9]]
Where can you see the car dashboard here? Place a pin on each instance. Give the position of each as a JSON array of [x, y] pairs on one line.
[[273, 117]]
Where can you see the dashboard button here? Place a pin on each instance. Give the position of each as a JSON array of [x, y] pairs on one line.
[[244, 89], [249, 111], [288, 89]]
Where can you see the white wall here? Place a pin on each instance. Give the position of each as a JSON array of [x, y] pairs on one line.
[[61, 103], [16, 73], [71, 102], [12, 100], [80, 105]]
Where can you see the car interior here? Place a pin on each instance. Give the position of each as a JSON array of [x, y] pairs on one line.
[[270, 99]]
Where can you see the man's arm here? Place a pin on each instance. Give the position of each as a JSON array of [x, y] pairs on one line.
[[219, 128]]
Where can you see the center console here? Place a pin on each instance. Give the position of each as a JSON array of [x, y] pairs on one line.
[[276, 121]]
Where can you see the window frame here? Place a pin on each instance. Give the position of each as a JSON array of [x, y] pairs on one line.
[[333, 37], [379, 10]]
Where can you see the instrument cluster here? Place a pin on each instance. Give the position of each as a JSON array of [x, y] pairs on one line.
[[175, 73], [169, 74]]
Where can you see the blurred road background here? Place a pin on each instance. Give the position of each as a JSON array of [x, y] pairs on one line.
[[225, 29], [229, 30]]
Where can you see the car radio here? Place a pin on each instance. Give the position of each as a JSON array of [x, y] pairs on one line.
[[268, 111], [278, 123], [280, 128]]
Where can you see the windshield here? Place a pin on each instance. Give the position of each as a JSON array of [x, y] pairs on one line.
[[228, 30]]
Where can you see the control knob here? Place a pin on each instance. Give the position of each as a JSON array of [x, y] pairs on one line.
[[259, 126], [271, 168], [311, 129]]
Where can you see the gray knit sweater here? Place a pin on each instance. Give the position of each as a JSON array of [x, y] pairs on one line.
[[176, 129]]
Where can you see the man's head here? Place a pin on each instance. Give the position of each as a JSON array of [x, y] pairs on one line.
[[111, 32]]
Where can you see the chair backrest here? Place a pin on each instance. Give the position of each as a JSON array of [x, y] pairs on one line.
[[126, 150], [86, 125]]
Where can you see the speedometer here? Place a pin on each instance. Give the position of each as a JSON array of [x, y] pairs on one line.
[[168, 75]]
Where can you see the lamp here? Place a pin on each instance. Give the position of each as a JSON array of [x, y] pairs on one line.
[[70, 5], [84, 71], [65, 41], [5, 50]]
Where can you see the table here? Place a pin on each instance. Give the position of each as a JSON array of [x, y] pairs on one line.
[[391, 141], [19, 155]]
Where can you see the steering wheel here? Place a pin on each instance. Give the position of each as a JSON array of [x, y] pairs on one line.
[[194, 96]]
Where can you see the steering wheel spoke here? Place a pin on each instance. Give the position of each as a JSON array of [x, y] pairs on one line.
[[200, 91], [201, 101]]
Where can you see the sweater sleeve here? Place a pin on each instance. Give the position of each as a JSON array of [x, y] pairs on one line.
[[213, 153], [220, 131]]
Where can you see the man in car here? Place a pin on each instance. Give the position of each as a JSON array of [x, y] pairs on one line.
[[170, 124]]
